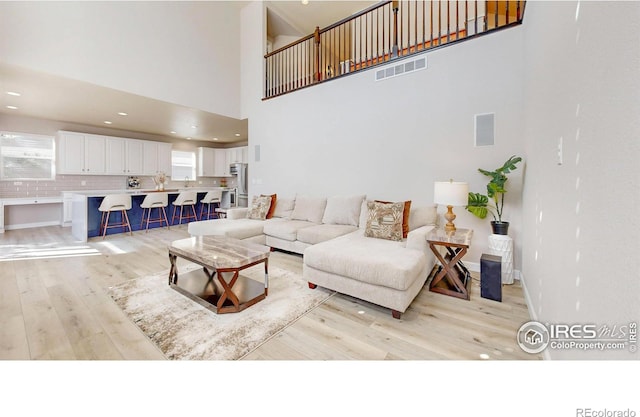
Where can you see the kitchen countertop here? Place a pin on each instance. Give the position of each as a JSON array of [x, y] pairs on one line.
[[143, 191]]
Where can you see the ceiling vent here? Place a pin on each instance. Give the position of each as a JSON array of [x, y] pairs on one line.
[[402, 68]]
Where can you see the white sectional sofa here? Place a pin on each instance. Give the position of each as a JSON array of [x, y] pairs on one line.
[[330, 233]]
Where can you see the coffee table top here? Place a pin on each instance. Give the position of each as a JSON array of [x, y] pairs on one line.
[[219, 251]]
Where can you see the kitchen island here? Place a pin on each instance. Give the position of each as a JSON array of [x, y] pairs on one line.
[[85, 216]]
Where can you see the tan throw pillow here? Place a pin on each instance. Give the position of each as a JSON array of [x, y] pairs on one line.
[[259, 207], [384, 220], [272, 208], [405, 216]]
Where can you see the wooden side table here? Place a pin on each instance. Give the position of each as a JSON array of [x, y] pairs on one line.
[[450, 277]]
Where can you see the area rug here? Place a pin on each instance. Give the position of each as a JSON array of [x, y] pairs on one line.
[[185, 330]]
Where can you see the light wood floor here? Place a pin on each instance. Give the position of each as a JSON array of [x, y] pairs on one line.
[[53, 305]]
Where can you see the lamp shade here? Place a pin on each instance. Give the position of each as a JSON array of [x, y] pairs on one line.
[[450, 193]]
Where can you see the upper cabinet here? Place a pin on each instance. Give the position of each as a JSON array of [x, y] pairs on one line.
[[80, 154], [214, 162], [124, 156], [206, 162], [156, 158]]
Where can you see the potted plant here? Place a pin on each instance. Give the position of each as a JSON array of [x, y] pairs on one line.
[[478, 204]]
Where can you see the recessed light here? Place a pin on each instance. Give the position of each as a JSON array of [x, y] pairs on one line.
[[173, 132], [188, 138], [215, 138], [106, 122], [194, 127], [122, 113], [237, 134], [12, 107], [13, 93]]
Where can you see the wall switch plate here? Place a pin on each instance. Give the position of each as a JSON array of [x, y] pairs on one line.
[[83, 183], [17, 183]]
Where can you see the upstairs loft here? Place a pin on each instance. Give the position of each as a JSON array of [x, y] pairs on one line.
[[380, 34]]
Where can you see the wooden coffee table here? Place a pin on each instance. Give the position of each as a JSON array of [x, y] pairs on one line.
[[220, 288]]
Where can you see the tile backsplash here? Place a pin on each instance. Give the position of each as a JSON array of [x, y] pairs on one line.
[[62, 183]]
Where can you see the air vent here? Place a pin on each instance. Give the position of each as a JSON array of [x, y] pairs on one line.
[[402, 68]]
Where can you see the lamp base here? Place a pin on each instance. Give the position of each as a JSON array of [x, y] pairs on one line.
[[450, 217]]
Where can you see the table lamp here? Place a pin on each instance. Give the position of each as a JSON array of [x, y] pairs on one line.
[[450, 193]]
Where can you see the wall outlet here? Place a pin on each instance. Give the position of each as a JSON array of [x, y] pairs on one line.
[[83, 183], [17, 183], [199, 182]]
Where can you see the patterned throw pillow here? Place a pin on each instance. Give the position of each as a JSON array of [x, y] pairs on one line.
[[259, 207], [384, 220], [405, 216]]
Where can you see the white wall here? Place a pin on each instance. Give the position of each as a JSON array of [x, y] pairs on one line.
[[392, 139], [580, 225], [186, 53]]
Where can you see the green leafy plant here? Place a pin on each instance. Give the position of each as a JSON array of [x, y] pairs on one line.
[[478, 204]]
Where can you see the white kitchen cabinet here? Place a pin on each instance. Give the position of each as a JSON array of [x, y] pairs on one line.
[[239, 154], [80, 153], [134, 155], [221, 164], [124, 156], [156, 157], [164, 157], [206, 162]]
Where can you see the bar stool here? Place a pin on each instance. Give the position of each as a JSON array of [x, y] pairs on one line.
[[212, 197], [158, 201], [114, 202], [185, 198]]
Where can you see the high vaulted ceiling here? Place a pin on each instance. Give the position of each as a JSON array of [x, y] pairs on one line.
[[56, 98]]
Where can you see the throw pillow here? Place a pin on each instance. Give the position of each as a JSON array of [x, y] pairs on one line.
[[284, 207], [309, 209], [405, 216], [272, 207], [384, 220], [343, 210], [259, 208]]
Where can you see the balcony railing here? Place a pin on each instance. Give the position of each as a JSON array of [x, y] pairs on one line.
[[382, 33]]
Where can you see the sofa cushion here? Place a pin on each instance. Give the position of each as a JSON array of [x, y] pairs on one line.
[[284, 207], [385, 220], [343, 210], [309, 209], [375, 261], [272, 207], [323, 232], [259, 207], [239, 228], [423, 216], [285, 229]]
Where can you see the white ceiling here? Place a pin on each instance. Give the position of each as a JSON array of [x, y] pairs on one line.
[[55, 98]]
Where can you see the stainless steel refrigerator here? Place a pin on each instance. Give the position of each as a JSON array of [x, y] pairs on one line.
[[240, 171]]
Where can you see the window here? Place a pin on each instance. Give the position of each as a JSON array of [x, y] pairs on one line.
[[183, 165], [26, 157]]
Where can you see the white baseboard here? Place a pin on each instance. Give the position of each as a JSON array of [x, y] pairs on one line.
[[30, 225], [475, 267]]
